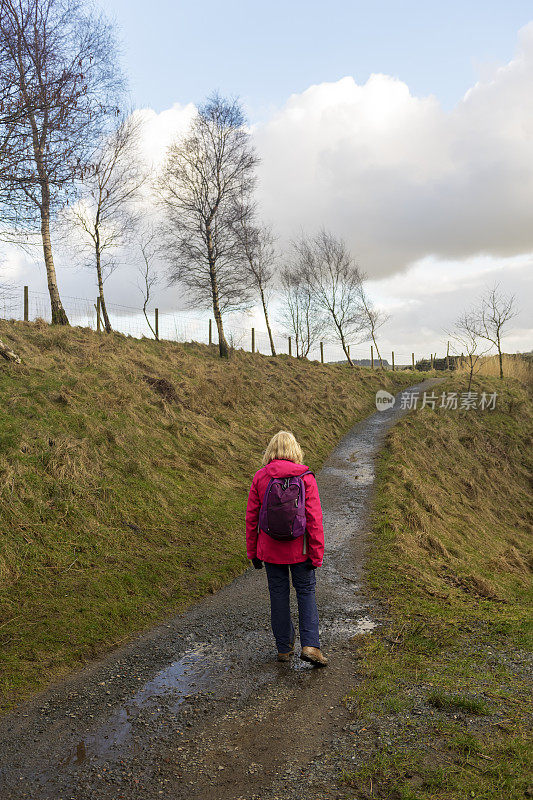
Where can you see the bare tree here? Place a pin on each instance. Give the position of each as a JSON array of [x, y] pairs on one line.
[[335, 281], [105, 215], [57, 69], [9, 117], [299, 313], [374, 317], [151, 248], [491, 318], [207, 174], [467, 341], [257, 243]]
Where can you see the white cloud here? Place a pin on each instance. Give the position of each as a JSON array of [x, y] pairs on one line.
[[436, 205], [159, 130], [425, 301], [400, 178]]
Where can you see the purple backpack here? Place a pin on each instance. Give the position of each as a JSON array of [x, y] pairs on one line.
[[282, 513]]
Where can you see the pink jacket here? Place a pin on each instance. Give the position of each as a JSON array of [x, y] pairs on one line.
[[259, 544]]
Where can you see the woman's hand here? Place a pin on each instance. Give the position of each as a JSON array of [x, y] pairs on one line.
[[258, 564]]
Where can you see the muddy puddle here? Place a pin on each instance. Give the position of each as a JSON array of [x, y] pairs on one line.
[[161, 696]]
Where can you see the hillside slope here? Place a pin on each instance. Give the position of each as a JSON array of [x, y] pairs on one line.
[[125, 467], [445, 694]]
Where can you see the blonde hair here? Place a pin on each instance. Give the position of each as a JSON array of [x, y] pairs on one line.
[[283, 445]]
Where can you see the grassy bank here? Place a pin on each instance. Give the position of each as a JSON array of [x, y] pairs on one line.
[[444, 709], [125, 467], [517, 366]]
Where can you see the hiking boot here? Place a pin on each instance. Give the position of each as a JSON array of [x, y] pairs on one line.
[[289, 655], [314, 655], [285, 656]]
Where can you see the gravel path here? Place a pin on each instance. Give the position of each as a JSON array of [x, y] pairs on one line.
[[198, 707]]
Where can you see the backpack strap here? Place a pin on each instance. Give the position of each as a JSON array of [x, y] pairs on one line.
[[301, 476], [304, 546]]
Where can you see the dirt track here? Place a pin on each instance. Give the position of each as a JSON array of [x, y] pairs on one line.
[[197, 707]]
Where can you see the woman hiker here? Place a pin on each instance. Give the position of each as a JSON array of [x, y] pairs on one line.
[[284, 530]]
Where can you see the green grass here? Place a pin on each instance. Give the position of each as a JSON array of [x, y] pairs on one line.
[[455, 702], [449, 678], [123, 498]]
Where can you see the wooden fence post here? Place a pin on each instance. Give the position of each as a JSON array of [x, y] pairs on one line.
[[321, 352], [210, 331], [393, 360], [371, 357], [98, 324], [253, 340], [432, 361], [26, 305], [157, 324], [413, 359], [290, 345]]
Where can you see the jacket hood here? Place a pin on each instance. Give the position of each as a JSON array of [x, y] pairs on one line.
[[280, 468]]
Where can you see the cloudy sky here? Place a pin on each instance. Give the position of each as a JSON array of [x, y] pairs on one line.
[[405, 128]]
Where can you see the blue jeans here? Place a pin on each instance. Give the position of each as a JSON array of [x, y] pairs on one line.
[[304, 581]]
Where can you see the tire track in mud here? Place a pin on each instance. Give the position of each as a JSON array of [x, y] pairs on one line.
[[197, 707]]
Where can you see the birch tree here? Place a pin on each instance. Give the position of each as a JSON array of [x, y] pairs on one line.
[[151, 248], [58, 73], [207, 174], [106, 214], [466, 340], [300, 315], [257, 243], [492, 317], [372, 317], [335, 282]]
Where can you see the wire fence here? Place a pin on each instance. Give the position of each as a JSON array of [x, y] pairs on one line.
[[21, 303]]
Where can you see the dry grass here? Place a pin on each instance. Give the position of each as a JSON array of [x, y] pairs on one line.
[[515, 365], [124, 472], [458, 500], [452, 562]]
